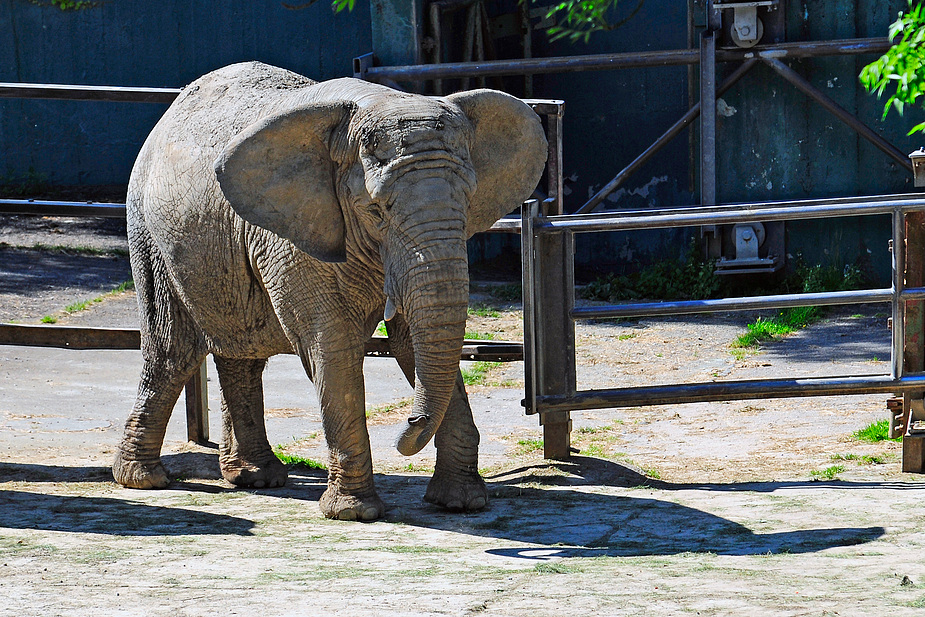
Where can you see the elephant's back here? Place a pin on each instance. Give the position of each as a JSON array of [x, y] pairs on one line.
[[175, 204]]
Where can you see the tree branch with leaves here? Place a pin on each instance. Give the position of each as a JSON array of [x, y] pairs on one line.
[[901, 70]]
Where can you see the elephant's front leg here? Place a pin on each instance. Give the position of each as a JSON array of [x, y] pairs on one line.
[[456, 484], [338, 378]]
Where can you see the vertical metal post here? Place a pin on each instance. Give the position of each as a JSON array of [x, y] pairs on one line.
[[911, 261], [197, 406], [899, 261], [554, 160], [529, 211], [708, 108], [554, 332]]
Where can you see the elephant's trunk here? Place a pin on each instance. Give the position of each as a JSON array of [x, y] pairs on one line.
[[434, 301]]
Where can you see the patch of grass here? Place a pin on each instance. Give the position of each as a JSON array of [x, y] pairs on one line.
[[651, 472], [829, 473], [389, 407], [861, 459], [526, 446], [594, 449], [476, 374], [694, 279], [413, 549], [380, 329], [479, 336], [557, 568], [418, 468], [49, 319], [875, 432], [296, 461], [626, 337], [483, 310]]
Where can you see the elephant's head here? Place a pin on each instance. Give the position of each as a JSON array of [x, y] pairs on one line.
[[359, 171]]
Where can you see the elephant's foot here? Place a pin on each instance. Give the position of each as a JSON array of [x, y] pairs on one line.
[[457, 492], [266, 474], [138, 474], [344, 507]]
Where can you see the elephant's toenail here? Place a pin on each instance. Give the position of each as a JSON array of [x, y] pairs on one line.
[[477, 504]]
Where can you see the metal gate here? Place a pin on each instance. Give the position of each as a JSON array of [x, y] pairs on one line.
[[550, 314]]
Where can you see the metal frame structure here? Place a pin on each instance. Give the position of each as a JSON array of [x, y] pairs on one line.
[[550, 314]]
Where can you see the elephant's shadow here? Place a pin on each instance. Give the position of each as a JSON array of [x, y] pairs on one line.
[[556, 515], [560, 515]]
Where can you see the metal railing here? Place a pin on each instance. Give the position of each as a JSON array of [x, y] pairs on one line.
[[550, 312]]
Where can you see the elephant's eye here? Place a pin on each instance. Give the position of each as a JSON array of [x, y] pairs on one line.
[[439, 125]]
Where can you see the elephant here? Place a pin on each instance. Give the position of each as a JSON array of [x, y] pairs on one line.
[[268, 213]]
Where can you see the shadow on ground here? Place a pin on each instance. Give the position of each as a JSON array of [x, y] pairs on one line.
[[552, 507]]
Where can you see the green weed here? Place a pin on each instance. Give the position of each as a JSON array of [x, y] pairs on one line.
[[875, 432], [476, 374], [695, 279], [527, 446], [388, 407], [829, 473], [861, 459], [296, 461], [482, 310], [479, 336], [556, 568]]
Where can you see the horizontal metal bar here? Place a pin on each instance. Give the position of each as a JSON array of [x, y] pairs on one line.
[[604, 62], [73, 337], [36, 207], [742, 213], [69, 337], [689, 307], [727, 391], [120, 94]]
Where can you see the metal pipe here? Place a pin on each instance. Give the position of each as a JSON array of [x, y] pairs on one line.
[[529, 213], [61, 208], [727, 391], [897, 333], [838, 111], [121, 94], [691, 217], [603, 62], [691, 307], [663, 141], [708, 117]]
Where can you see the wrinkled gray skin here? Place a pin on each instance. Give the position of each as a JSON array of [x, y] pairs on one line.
[[269, 214]]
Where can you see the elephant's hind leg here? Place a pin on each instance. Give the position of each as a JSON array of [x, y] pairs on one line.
[[245, 455], [173, 351]]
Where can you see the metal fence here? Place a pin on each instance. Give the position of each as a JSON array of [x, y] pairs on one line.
[[550, 312]]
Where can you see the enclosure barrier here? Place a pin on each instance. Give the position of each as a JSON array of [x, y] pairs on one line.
[[550, 314]]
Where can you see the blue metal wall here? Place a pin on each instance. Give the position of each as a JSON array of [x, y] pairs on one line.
[[167, 43], [773, 143]]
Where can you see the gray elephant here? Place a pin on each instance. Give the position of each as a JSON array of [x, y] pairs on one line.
[[268, 214]]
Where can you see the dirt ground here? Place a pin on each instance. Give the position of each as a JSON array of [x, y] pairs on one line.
[[696, 509]]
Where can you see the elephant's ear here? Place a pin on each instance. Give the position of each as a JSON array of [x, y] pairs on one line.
[[508, 152], [278, 174]]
